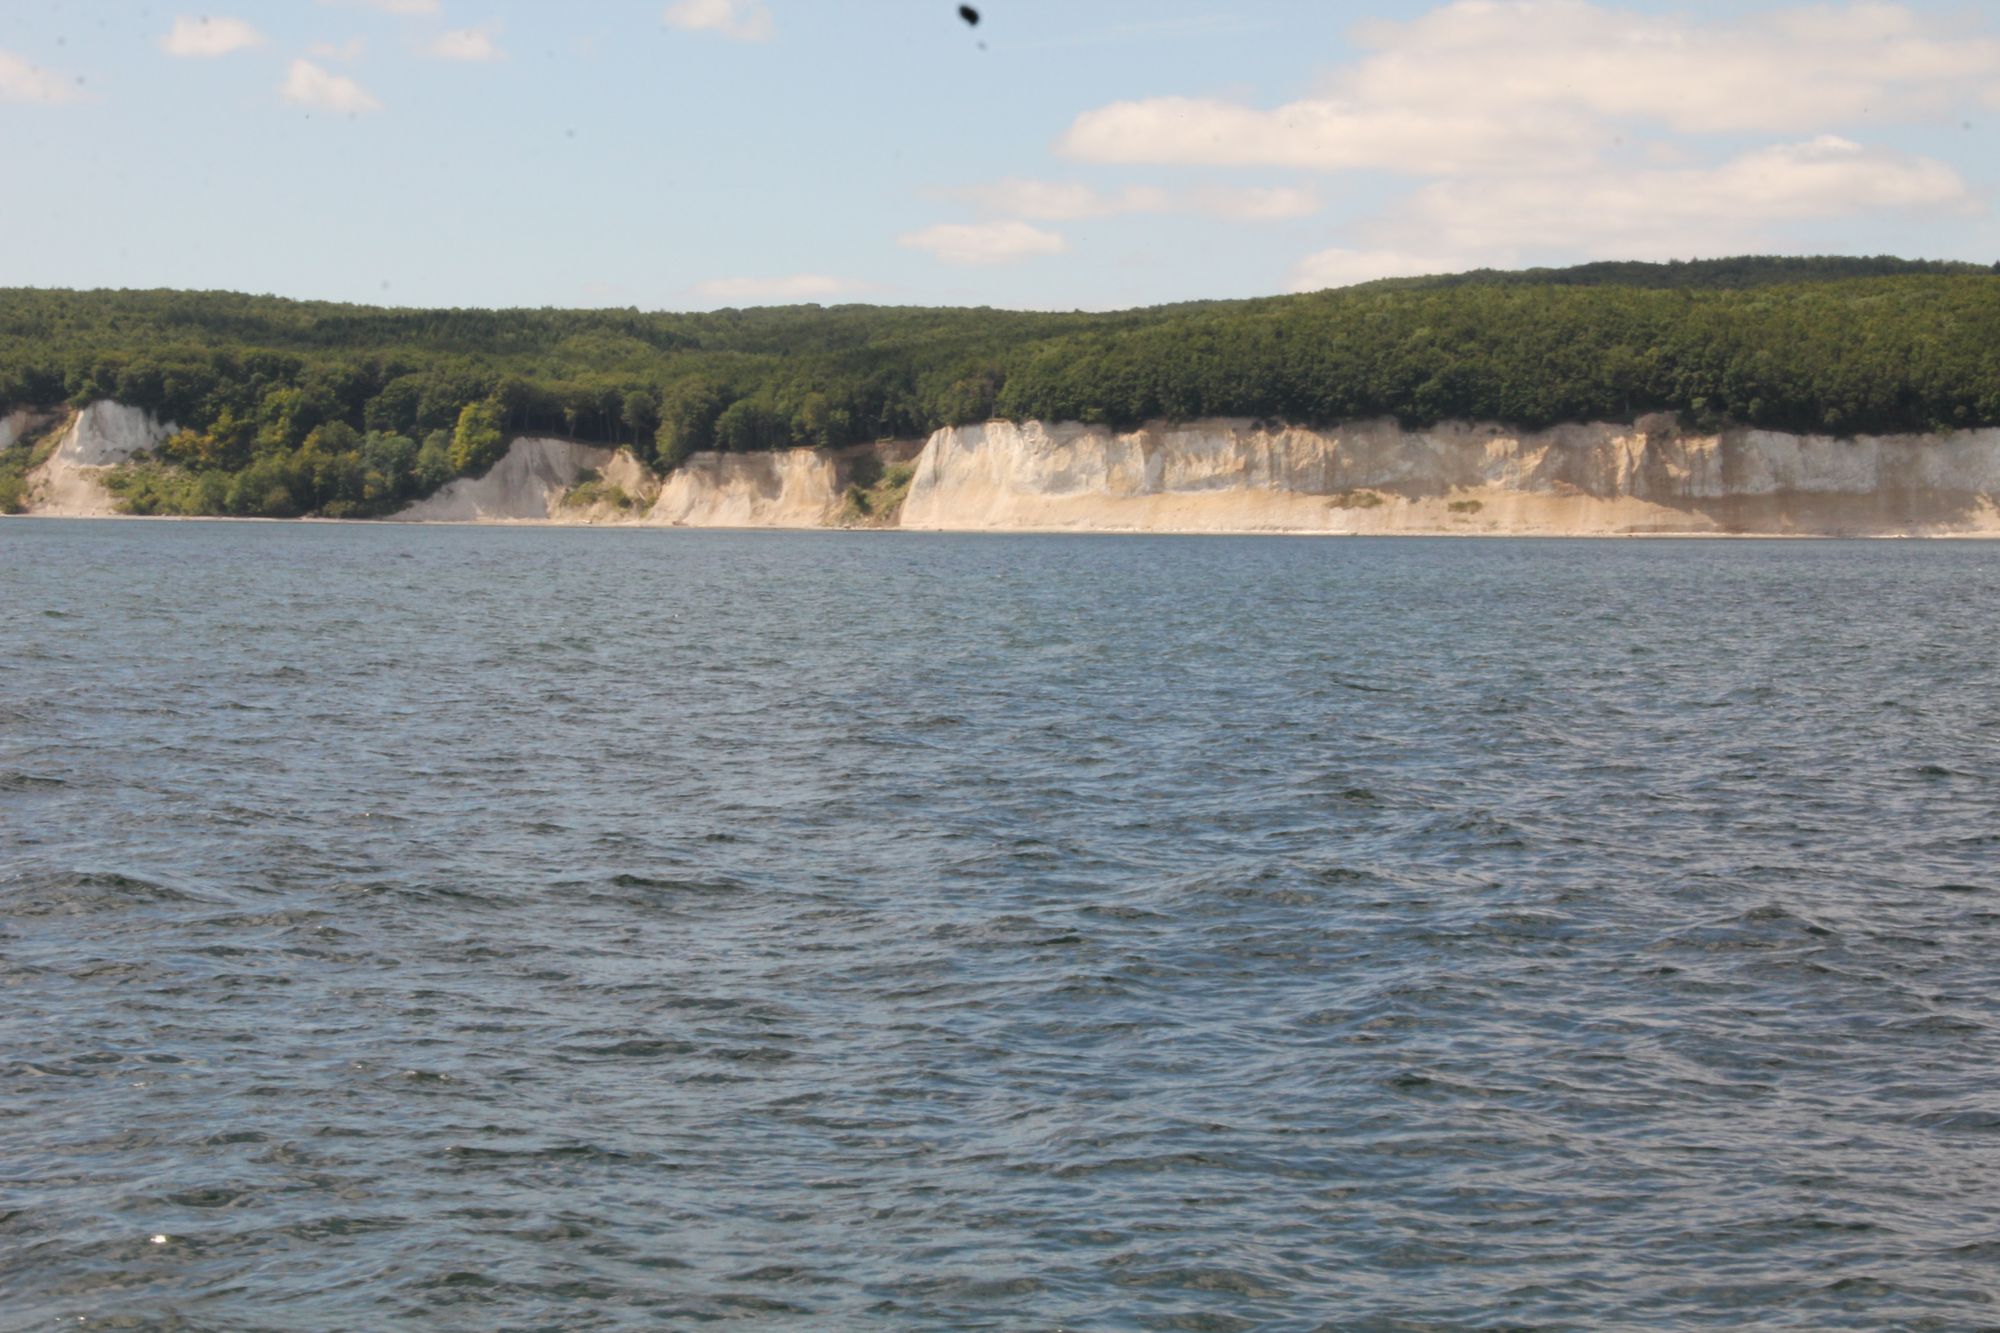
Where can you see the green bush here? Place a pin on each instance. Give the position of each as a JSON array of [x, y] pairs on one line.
[[594, 491], [876, 497]]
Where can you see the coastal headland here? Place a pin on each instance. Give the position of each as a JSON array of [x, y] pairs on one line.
[[1755, 396]]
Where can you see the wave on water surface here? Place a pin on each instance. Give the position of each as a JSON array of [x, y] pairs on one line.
[[577, 931]]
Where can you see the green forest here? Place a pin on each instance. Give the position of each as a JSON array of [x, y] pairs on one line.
[[298, 407]]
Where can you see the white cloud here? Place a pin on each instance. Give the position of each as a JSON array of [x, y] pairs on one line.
[[347, 50], [1249, 204], [1327, 134], [405, 7], [207, 35], [23, 82], [306, 84], [470, 44], [797, 287], [984, 242], [1502, 86], [1343, 268], [740, 20], [1070, 201], [1553, 130], [1063, 201], [1742, 205], [1781, 71], [1739, 205]]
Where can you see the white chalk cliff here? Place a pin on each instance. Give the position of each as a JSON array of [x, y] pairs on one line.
[[526, 485], [70, 483], [1372, 477], [13, 426], [1600, 479], [1456, 477], [788, 488]]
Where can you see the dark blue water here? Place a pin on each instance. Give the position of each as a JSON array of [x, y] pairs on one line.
[[555, 929]]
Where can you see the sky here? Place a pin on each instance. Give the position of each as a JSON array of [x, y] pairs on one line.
[[1062, 154]]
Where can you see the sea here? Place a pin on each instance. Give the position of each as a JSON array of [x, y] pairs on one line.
[[561, 929]]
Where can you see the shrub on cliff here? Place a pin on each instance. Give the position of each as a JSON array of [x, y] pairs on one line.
[[476, 442]]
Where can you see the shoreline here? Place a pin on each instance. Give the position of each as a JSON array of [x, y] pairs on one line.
[[1283, 533]]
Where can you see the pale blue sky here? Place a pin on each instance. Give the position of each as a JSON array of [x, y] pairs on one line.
[[1095, 155]]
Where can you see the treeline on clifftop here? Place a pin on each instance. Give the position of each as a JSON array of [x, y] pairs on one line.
[[291, 407]]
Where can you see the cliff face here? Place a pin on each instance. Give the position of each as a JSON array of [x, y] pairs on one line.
[[1375, 477], [527, 484], [1218, 476], [1371, 477], [101, 436], [789, 488], [14, 425]]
